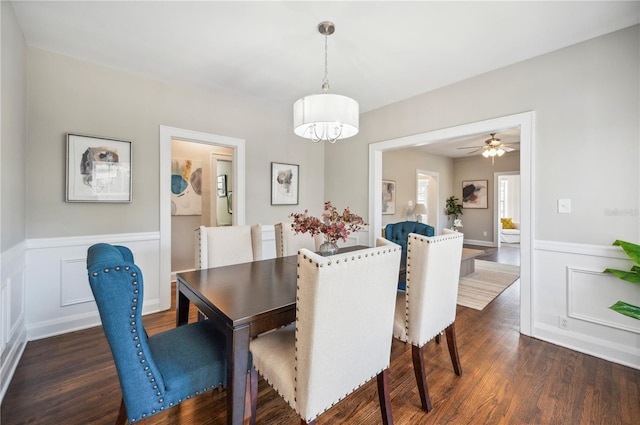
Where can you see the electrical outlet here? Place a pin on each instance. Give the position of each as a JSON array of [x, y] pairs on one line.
[[484, 233], [563, 322]]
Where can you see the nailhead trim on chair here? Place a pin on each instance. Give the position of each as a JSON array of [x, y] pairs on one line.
[[426, 239], [295, 390]]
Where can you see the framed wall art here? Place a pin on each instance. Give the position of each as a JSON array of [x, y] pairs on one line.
[[98, 169], [186, 186], [475, 194], [284, 183], [222, 186], [388, 197]]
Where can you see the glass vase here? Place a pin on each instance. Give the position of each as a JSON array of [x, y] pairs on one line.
[[328, 247]]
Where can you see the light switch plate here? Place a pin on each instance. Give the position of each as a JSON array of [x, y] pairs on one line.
[[564, 206]]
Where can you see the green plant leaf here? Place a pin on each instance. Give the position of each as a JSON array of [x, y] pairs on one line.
[[626, 309], [631, 276], [632, 250]]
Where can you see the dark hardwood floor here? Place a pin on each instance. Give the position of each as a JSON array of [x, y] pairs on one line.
[[507, 379]]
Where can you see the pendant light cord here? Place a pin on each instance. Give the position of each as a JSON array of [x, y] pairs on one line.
[[325, 81]]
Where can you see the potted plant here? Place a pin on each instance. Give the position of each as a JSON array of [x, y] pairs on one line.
[[453, 209], [633, 276]]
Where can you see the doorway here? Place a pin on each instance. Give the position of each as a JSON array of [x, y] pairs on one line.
[[506, 204], [524, 121], [428, 194], [238, 206]]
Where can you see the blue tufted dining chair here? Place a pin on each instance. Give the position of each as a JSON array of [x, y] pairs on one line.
[[156, 372], [399, 232]]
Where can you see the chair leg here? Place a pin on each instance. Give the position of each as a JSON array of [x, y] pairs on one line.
[[383, 395], [251, 397], [303, 422], [122, 414], [453, 348], [421, 378]]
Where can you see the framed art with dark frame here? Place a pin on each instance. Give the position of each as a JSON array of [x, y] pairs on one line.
[[98, 169], [388, 197], [475, 194], [285, 179], [222, 186]]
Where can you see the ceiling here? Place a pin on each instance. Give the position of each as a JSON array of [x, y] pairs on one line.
[[271, 52]]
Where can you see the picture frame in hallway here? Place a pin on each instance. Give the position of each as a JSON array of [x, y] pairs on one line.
[[475, 194], [222, 186], [388, 197], [285, 179], [98, 169]]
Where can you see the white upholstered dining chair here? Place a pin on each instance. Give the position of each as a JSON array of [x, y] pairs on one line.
[[289, 243], [342, 334], [429, 304], [227, 245]]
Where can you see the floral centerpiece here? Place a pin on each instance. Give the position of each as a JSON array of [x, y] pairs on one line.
[[331, 225]]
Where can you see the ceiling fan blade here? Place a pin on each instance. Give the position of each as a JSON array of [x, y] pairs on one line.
[[507, 148], [477, 150], [472, 147]]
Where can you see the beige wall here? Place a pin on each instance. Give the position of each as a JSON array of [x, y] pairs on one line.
[[475, 221], [67, 95], [401, 165], [13, 138], [586, 134]]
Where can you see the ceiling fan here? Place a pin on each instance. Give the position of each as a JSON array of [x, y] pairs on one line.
[[492, 147]]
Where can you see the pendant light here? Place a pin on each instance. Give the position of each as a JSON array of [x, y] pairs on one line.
[[326, 117]]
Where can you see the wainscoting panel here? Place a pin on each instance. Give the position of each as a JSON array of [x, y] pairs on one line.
[[571, 298], [590, 293], [58, 292], [13, 335]]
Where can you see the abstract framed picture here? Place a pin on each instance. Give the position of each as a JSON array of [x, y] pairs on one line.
[[98, 169], [186, 186], [388, 197], [285, 179], [475, 194]]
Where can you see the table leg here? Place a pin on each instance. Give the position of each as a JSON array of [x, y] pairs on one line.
[[182, 308], [237, 360]]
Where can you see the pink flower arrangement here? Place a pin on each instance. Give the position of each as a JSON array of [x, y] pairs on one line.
[[332, 225]]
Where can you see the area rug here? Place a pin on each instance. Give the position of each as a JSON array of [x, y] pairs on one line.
[[488, 281]]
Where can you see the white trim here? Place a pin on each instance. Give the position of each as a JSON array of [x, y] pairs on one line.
[[47, 243], [526, 122], [166, 134]]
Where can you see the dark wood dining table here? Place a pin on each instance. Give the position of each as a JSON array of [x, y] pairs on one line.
[[244, 300]]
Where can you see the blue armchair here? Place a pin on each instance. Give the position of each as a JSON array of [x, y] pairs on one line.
[[157, 372], [399, 232]]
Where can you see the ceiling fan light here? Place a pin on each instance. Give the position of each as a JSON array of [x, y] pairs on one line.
[[485, 154], [500, 152]]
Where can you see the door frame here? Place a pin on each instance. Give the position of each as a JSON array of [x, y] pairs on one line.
[[526, 122], [166, 134]]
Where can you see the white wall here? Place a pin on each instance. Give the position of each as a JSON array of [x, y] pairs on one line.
[[581, 95], [13, 141]]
